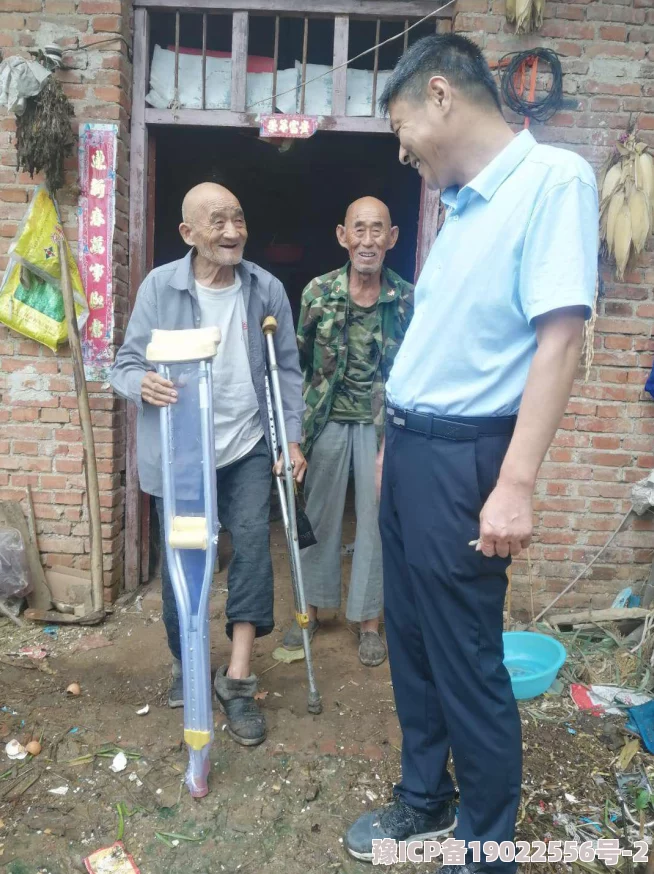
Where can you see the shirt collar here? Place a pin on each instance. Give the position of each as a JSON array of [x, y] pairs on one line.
[[184, 280], [387, 294], [488, 180]]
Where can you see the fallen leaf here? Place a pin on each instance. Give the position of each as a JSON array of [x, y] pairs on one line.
[[629, 750], [143, 711], [287, 655], [261, 696]]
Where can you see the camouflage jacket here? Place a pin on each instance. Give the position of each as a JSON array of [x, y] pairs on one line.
[[323, 343]]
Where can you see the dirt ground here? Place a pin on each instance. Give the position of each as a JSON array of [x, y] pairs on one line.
[[279, 808]]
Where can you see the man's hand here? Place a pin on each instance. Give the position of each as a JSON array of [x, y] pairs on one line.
[[379, 470], [298, 463], [506, 521], [157, 391]]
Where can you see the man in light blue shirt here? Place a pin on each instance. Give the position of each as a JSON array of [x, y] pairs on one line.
[[474, 400]]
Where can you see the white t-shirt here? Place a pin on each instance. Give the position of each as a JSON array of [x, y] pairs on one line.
[[235, 409]]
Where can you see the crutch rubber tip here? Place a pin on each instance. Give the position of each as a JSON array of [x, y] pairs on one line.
[[314, 705], [269, 325]]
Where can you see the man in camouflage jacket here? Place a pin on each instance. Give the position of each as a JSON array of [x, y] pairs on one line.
[[352, 323]]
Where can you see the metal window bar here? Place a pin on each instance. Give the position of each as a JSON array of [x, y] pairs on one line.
[[275, 65], [177, 29], [375, 71], [204, 60], [305, 45], [406, 34]]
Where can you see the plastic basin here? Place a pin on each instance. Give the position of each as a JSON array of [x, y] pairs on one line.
[[533, 661]]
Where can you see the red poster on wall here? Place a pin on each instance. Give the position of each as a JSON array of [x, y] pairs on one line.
[[96, 208]]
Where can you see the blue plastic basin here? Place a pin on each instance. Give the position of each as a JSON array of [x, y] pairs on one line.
[[533, 661]]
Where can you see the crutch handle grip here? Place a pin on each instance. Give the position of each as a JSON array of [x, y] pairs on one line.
[[269, 325]]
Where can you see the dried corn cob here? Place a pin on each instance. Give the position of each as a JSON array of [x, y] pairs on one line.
[[627, 201]]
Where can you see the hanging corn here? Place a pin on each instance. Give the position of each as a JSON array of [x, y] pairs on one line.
[[527, 15], [626, 201]]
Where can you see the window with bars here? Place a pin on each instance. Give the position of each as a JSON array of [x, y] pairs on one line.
[[227, 67]]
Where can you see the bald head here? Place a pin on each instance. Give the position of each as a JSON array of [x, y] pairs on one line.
[[204, 194], [368, 208], [367, 234], [213, 222]]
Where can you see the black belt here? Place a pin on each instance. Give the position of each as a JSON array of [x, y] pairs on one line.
[[451, 427]]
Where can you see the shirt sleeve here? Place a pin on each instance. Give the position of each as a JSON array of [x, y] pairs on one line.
[[288, 363], [130, 365], [559, 259]]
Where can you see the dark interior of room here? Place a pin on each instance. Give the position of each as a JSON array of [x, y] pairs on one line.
[[292, 200]]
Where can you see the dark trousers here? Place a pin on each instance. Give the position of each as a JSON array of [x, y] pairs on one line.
[[244, 510], [443, 610]]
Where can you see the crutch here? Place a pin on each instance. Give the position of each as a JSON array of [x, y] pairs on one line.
[[188, 456], [286, 494]]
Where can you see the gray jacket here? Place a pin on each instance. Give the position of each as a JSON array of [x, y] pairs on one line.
[[167, 300]]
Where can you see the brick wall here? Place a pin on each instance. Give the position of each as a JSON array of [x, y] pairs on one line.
[[40, 437], [606, 440]]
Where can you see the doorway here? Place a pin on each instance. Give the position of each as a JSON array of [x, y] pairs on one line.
[[293, 200]]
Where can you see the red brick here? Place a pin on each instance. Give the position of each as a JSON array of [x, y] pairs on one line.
[[24, 447], [106, 23], [13, 195], [22, 6], [99, 7], [55, 415], [613, 31]]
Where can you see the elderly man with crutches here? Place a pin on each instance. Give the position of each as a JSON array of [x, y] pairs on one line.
[[214, 287]]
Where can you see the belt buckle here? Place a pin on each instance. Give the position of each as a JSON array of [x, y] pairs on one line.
[[397, 420]]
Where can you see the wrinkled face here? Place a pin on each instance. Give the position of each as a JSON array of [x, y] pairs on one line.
[[420, 126], [367, 235], [215, 225]]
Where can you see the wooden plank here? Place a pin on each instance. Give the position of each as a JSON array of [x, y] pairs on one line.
[[204, 60], [137, 265], [177, 29], [275, 65], [305, 49], [610, 614], [359, 8], [427, 225], [11, 516], [149, 264], [89, 460], [225, 118], [375, 71], [339, 88], [240, 27]]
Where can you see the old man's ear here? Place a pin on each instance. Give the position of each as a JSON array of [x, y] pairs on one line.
[[185, 231], [395, 233], [340, 236]]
